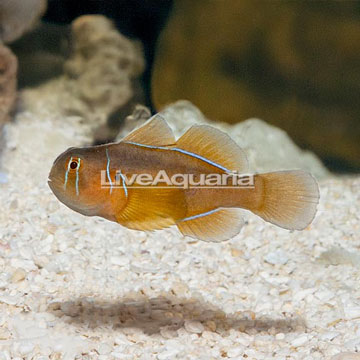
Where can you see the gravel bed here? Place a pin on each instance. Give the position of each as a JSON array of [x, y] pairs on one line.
[[85, 288]]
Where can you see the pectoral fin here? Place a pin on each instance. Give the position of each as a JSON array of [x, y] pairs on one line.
[[152, 208]]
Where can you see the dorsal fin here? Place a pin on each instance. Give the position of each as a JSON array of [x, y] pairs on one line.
[[155, 132], [151, 208], [214, 145], [214, 226]]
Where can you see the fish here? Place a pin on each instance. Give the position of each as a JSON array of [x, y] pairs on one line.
[[107, 181]]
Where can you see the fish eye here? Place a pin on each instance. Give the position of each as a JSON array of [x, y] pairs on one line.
[[73, 165]]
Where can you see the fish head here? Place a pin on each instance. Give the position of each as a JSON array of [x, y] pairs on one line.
[[75, 179]]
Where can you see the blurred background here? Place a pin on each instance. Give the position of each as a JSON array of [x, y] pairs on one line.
[[294, 64]]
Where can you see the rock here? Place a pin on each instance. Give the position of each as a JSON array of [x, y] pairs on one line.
[[329, 335], [104, 349], [264, 60], [19, 16], [346, 356], [300, 340], [352, 312], [119, 260], [267, 147], [195, 327], [18, 275], [168, 354], [235, 352], [8, 299], [302, 294], [3, 177], [101, 75], [138, 117], [324, 295], [278, 257], [70, 309], [26, 347], [4, 333], [8, 70], [339, 256], [271, 148]]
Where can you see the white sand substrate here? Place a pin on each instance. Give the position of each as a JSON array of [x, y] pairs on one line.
[[85, 288]]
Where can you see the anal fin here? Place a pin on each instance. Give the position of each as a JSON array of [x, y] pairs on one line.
[[213, 226]]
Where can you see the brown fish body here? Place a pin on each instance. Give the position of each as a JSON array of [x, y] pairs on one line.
[[132, 159], [210, 213]]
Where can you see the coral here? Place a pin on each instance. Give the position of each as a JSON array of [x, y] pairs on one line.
[[100, 83], [99, 75]]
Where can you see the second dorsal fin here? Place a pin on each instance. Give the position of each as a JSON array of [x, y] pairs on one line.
[[155, 132], [214, 145]]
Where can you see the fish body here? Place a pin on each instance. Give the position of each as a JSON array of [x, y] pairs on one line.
[[94, 181]]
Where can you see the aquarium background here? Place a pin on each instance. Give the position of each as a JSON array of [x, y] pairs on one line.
[[294, 64]]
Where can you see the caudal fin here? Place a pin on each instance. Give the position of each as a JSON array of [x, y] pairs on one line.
[[289, 199]]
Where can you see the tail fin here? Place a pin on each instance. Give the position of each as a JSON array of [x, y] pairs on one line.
[[289, 199]]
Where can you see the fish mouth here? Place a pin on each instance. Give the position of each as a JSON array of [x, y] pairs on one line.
[[58, 190], [54, 185], [50, 183]]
